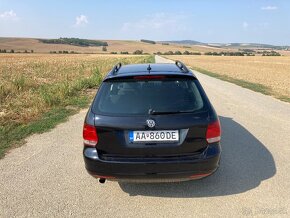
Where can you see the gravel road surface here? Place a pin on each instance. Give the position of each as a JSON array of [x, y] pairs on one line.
[[46, 176]]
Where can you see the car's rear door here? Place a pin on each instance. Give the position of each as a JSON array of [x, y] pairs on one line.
[[125, 107]]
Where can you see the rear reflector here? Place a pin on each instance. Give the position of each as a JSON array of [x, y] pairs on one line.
[[149, 77], [103, 177], [198, 176], [213, 132], [90, 135]]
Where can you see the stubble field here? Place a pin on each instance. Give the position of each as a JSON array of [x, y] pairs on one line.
[[269, 75], [39, 90]]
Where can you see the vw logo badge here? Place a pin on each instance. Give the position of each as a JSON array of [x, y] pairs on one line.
[[150, 123]]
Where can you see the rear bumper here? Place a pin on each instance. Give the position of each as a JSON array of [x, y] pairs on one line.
[[195, 167]]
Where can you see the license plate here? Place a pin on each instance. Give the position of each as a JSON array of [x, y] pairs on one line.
[[154, 136]]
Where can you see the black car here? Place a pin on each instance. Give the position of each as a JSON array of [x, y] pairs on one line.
[[151, 123]]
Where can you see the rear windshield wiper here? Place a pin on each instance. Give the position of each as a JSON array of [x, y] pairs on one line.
[[153, 112]]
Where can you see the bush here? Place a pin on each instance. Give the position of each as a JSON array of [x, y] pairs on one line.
[[138, 52], [104, 48], [177, 53], [113, 52], [169, 53], [124, 52]]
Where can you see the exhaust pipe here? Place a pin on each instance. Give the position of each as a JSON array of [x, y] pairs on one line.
[[102, 180]]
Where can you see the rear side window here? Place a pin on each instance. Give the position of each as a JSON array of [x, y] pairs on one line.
[[138, 97]]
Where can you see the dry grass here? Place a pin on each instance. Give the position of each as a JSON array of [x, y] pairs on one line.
[[271, 72], [284, 53], [22, 44], [31, 85]]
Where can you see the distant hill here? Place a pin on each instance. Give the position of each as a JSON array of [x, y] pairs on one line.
[[184, 42], [255, 45], [86, 46], [229, 45]]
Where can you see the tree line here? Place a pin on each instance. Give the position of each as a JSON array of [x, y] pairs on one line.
[[13, 51], [246, 52], [229, 53], [75, 41], [148, 41], [269, 53], [137, 52], [178, 53]]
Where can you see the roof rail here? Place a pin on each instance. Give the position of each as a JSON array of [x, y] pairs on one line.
[[116, 68], [181, 66]]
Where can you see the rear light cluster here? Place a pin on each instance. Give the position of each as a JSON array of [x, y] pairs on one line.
[[213, 132], [90, 135]]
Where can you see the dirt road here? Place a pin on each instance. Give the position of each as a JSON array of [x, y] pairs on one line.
[[46, 177]]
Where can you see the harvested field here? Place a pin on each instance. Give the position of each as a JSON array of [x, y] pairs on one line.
[[272, 73], [49, 87]]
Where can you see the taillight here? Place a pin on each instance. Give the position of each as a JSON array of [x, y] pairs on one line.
[[213, 132], [90, 135]]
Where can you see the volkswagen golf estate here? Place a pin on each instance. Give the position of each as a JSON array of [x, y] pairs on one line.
[[151, 123]]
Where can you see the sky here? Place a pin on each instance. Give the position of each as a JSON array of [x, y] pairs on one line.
[[212, 21]]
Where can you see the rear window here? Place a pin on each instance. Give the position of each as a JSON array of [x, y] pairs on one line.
[[139, 97]]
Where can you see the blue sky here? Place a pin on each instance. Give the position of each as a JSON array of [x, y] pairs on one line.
[[259, 21]]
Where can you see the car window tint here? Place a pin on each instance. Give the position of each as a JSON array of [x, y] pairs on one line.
[[136, 97]]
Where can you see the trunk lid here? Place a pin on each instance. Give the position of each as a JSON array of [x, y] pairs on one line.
[[114, 135]]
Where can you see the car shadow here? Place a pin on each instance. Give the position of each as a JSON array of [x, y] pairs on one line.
[[245, 162]]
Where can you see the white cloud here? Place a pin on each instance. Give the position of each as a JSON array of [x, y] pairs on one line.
[[81, 20], [269, 8], [8, 15], [158, 22], [245, 25]]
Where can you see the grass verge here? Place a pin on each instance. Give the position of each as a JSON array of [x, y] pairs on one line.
[[13, 136]]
